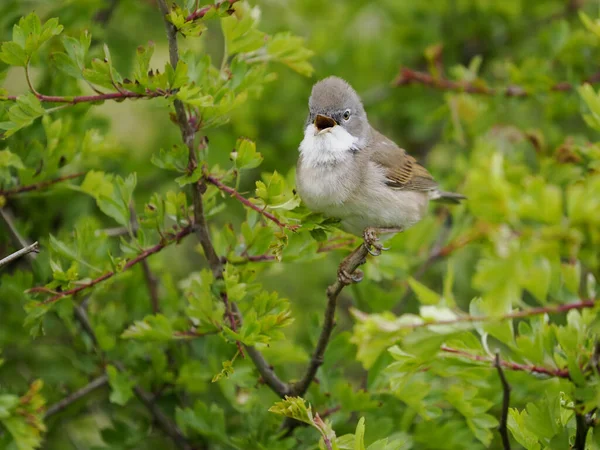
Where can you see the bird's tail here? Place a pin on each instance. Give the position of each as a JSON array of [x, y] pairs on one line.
[[447, 197]]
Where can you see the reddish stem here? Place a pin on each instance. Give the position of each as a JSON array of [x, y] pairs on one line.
[[40, 185], [132, 262], [409, 76], [249, 204], [560, 373], [201, 12], [552, 309], [91, 98]]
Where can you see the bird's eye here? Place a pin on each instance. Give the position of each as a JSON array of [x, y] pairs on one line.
[[347, 114]]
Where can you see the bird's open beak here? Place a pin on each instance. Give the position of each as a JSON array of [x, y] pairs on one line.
[[323, 123]]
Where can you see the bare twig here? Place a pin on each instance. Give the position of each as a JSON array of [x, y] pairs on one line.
[[16, 255], [18, 240], [248, 203], [502, 428], [201, 12], [559, 373], [103, 16], [73, 100], [408, 76], [40, 185], [355, 259], [581, 432], [188, 133], [132, 262], [57, 407]]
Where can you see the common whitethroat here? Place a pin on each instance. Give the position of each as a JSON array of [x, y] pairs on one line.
[[349, 170]]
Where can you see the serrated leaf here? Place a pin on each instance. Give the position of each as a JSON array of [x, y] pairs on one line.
[[121, 386], [156, 328]]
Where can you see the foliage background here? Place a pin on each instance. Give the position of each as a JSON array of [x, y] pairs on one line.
[[527, 237]]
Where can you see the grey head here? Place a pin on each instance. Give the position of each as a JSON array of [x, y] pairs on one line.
[[333, 102]]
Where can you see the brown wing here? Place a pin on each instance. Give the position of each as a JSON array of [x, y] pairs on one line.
[[402, 170]]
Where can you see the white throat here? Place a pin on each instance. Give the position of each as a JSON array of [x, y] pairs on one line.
[[327, 146]]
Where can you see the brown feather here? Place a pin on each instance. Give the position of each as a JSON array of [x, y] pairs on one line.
[[402, 170]]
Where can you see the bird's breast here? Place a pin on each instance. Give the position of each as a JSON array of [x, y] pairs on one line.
[[325, 188]]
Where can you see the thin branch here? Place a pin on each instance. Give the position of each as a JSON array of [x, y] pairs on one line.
[[188, 132], [16, 255], [40, 185], [169, 427], [559, 373], [73, 100], [581, 432], [18, 240], [249, 204], [132, 262], [57, 407], [551, 309], [502, 428], [350, 264], [201, 12], [408, 76]]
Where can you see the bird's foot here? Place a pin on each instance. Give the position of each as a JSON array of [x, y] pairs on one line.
[[347, 271], [347, 278], [371, 239]]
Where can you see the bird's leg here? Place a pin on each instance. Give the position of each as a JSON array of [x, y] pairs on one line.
[[371, 239], [344, 274]]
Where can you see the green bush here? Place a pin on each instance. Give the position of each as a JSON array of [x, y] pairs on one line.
[[179, 297]]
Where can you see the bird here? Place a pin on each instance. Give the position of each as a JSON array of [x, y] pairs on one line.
[[348, 170]]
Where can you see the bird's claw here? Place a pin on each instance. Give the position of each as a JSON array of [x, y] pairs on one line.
[[350, 278], [371, 242]]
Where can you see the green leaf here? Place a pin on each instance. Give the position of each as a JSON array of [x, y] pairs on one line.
[[245, 155], [156, 328], [13, 54], [425, 295], [295, 408], [290, 50], [239, 29], [22, 114], [9, 159], [121, 386]]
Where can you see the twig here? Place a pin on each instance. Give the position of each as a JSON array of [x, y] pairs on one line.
[[201, 12], [40, 185], [73, 100], [24, 251], [132, 262], [9, 220], [581, 432], [72, 398], [188, 132], [355, 259], [552, 309], [231, 318], [409, 76], [559, 373], [169, 427], [502, 428], [248, 203]]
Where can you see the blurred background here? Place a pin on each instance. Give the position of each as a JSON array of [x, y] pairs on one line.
[[530, 44]]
